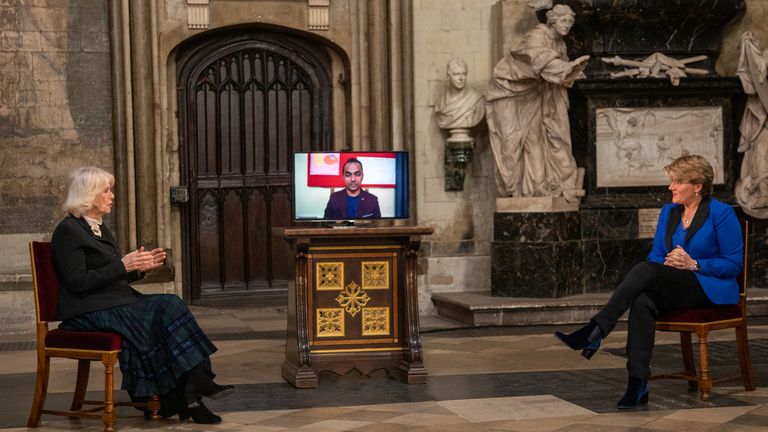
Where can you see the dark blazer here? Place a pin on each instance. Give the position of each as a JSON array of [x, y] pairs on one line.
[[713, 239], [367, 208], [89, 268]]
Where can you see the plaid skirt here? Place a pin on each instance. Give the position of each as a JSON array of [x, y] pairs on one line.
[[161, 341]]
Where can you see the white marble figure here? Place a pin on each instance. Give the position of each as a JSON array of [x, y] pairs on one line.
[[460, 107], [752, 187], [528, 113]]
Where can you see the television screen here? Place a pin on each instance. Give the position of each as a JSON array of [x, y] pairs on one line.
[[349, 186]]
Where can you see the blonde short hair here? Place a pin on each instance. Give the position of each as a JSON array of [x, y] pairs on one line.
[[692, 169], [84, 184]]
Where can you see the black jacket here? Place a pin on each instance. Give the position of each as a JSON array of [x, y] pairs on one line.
[[90, 269]]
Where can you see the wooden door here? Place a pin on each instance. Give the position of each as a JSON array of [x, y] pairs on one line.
[[247, 101]]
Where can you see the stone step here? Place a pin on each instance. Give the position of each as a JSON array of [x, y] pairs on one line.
[[481, 309]]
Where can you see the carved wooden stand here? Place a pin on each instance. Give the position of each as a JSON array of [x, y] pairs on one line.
[[353, 303]]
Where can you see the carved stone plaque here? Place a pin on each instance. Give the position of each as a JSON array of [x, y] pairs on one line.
[[635, 144], [646, 222]]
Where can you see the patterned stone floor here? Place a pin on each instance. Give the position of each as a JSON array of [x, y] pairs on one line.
[[492, 379]]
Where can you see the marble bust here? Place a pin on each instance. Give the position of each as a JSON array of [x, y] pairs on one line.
[[528, 114], [460, 107], [752, 187]]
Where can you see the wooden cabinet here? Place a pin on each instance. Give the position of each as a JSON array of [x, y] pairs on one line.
[[353, 303]]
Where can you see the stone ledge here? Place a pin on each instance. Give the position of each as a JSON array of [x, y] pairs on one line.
[[481, 309]]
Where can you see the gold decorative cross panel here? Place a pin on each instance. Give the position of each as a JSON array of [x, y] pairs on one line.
[[330, 276], [375, 321], [353, 298], [330, 322], [375, 274]]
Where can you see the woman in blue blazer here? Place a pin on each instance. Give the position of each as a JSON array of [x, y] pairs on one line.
[[696, 257]]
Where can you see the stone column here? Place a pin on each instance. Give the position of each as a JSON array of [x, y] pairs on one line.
[[120, 213], [378, 74], [144, 123]]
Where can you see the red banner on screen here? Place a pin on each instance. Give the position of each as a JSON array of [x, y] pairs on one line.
[[324, 169]]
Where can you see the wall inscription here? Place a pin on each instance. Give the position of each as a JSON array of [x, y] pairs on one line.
[[646, 222], [635, 144]]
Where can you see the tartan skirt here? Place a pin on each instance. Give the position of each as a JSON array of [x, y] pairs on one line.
[[161, 341]]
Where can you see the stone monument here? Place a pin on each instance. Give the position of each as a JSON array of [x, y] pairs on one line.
[[752, 187], [458, 110]]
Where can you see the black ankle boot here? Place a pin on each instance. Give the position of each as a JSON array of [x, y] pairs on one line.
[[200, 414], [199, 384], [636, 394], [587, 339]]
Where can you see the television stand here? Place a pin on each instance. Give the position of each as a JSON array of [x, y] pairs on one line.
[[353, 303]]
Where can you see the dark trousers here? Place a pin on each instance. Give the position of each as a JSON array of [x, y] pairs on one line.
[[648, 290]]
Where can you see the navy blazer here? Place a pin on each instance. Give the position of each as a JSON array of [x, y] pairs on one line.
[[90, 269], [713, 239], [367, 208]]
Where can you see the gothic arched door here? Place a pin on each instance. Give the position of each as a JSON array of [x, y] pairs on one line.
[[247, 99]]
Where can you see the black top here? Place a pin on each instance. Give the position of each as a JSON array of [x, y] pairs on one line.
[[90, 269]]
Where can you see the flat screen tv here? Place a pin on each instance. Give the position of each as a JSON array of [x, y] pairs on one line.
[[350, 186]]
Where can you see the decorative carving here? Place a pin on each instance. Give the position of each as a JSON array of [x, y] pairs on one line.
[[197, 14], [330, 276], [353, 298], [657, 65], [319, 14], [330, 322], [375, 274], [375, 321]]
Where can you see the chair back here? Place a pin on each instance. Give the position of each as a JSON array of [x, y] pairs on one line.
[[744, 271], [45, 281]]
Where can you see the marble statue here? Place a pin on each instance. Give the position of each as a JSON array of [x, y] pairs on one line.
[[752, 187], [527, 113], [460, 107]]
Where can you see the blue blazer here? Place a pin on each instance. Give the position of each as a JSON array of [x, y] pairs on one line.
[[713, 239]]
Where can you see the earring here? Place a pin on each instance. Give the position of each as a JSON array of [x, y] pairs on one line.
[[696, 194]]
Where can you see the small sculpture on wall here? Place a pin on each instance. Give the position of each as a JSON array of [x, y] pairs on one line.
[[752, 187], [457, 110], [657, 65], [528, 114]]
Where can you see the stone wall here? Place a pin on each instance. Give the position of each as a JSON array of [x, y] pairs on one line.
[[55, 115], [457, 256]]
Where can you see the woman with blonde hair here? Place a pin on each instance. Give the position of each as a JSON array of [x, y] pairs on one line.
[[164, 350], [696, 257]]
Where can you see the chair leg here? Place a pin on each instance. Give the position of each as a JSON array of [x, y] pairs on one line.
[[705, 381], [742, 342], [686, 347], [153, 405], [41, 389], [109, 416], [83, 371]]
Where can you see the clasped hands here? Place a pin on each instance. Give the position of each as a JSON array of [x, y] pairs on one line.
[[143, 261], [679, 259]]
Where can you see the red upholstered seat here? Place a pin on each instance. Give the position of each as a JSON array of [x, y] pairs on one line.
[[85, 347], [719, 313], [701, 322], [58, 338]]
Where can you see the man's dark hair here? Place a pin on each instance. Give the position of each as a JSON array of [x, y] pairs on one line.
[[349, 161]]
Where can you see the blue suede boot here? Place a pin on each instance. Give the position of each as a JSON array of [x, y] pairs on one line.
[[636, 395], [587, 339]]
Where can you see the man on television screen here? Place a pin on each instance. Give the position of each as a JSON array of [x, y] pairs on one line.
[[352, 202]]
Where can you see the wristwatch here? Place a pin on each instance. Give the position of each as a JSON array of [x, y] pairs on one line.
[[696, 266]]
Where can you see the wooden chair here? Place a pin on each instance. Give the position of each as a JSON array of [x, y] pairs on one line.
[[84, 347], [701, 322]]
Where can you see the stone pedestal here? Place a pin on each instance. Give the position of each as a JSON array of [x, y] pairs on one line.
[[536, 254]]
